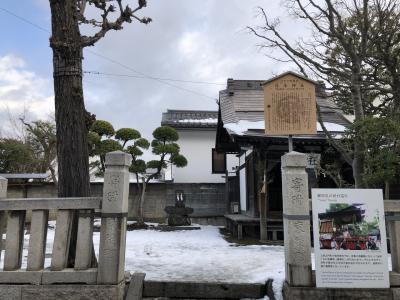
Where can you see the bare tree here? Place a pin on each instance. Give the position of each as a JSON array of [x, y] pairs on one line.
[[385, 55], [41, 137], [337, 54], [67, 44]]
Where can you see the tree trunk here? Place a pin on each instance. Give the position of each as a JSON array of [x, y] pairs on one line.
[[263, 198], [359, 147], [141, 203], [72, 146], [387, 190]]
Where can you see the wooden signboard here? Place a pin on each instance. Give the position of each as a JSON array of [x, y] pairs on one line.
[[290, 105]]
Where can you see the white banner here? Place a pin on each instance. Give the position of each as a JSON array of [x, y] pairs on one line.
[[350, 238]]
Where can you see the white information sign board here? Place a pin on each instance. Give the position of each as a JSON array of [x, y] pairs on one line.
[[349, 238]]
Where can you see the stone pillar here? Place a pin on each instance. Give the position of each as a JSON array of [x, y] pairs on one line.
[[113, 221], [394, 231], [3, 187], [3, 217], [296, 219]]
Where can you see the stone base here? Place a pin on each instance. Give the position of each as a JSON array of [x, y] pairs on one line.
[[61, 292], [202, 290], [306, 293], [179, 220]]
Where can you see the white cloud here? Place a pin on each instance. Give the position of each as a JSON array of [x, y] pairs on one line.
[[21, 90], [197, 40]]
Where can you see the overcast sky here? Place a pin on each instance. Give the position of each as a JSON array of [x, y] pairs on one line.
[[196, 40]]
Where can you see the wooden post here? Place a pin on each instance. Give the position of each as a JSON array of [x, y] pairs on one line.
[[3, 219], [113, 220], [296, 219], [227, 200], [263, 202], [263, 214]]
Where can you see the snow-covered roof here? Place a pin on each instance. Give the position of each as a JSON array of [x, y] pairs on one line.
[[207, 121], [132, 179], [244, 126], [242, 108], [189, 119]]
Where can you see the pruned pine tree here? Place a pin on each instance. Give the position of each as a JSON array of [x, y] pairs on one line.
[[164, 146], [67, 44], [103, 138], [100, 143]]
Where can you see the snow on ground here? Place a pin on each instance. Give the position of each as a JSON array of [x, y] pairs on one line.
[[200, 255], [193, 255]]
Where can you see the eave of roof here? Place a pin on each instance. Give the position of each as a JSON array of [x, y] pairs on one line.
[[190, 119], [290, 73]]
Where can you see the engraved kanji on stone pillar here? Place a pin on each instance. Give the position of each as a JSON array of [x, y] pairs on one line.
[[296, 219], [113, 222]]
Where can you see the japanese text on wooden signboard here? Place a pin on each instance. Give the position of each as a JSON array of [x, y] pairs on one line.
[[290, 106]]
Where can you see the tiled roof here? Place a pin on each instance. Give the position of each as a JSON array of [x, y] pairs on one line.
[[187, 119]]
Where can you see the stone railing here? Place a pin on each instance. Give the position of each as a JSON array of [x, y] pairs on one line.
[[113, 208]]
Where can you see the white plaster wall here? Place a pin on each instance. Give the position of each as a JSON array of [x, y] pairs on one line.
[[196, 146]]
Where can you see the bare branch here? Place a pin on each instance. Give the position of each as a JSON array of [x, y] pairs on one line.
[[125, 16], [336, 144]]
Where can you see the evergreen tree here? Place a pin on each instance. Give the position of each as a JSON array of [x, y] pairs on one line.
[[103, 139]]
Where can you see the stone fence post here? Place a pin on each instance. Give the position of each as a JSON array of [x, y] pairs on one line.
[[3, 187], [113, 221], [296, 219], [394, 231], [3, 219]]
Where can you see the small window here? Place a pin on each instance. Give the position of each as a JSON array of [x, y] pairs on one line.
[[218, 162]]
